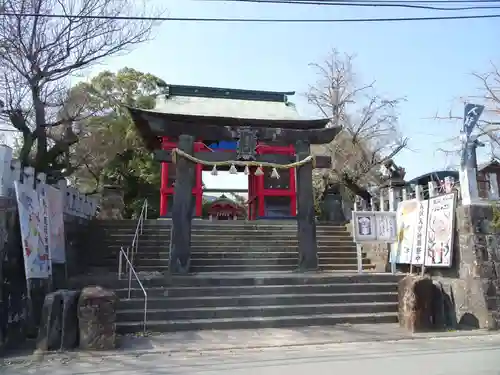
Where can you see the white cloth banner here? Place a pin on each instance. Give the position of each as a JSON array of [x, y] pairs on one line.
[[34, 232], [57, 245]]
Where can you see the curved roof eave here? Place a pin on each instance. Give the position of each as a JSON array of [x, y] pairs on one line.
[[429, 175], [234, 121]]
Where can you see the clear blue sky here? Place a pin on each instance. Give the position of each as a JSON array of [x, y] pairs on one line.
[[427, 62]]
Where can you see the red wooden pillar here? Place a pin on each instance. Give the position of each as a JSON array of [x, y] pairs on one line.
[[198, 187], [250, 195], [293, 192], [259, 182], [164, 181]]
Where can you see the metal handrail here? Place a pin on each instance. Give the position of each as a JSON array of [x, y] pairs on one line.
[[131, 271], [132, 250]]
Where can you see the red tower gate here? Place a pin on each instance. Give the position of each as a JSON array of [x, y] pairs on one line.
[[267, 196]]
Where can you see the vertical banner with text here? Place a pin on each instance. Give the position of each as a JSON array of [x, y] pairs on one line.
[[33, 232], [57, 245]]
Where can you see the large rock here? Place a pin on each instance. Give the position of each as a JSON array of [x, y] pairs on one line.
[[111, 203], [97, 318], [416, 303], [49, 334], [69, 335]]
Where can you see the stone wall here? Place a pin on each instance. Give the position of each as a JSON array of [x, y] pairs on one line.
[[473, 282], [19, 316], [13, 291], [77, 231]]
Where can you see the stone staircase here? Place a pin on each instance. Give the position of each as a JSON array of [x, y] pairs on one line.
[[231, 246], [248, 300], [243, 277]]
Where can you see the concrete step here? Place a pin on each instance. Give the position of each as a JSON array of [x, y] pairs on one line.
[[206, 281], [325, 267], [153, 223], [150, 262], [257, 322], [197, 262], [251, 279], [203, 269], [217, 302], [235, 242], [224, 312], [220, 240], [289, 278], [244, 254], [160, 258], [261, 290], [269, 268], [209, 249], [224, 233], [244, 265], [247, 267], [151, 231]]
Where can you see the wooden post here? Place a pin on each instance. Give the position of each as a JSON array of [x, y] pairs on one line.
[[468, 185], [306, 224], [493, 193], [393, 206], [418, 197], [180, 244], [405, 194], [359, 249], [433, 191], [5, 171], [418, 192]]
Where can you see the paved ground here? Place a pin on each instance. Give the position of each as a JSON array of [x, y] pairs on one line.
[[478, 355], [264, 338]]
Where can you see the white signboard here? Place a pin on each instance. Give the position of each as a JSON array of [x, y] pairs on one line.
[[57, 245], [407, 218], [372, 226], [51, 200], [419, 233], [438, 243], [33, 232]]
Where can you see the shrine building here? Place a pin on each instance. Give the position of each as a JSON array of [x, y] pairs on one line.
[[205, 107], [224, 208]]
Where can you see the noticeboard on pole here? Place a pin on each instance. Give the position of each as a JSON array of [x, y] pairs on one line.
[[374, 227]]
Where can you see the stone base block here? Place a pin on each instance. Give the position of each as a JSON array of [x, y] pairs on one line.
[[49, 334], [69, 337], [97, 318], [415, 296]]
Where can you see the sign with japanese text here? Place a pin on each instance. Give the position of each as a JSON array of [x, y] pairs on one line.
[[440, 231], [372, 226]]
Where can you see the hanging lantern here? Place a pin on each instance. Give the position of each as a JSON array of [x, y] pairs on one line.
[[275, 174], [258, 171], [214, 171], [233, 170], [246, 171]]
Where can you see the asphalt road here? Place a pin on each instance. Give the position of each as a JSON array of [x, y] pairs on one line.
[[478, 355]]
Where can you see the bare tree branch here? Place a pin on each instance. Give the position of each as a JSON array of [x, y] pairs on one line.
[[370, 133], [39, 55], [488, 127]]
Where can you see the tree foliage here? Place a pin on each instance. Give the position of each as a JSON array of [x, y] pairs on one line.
[[39, 55], [370, 134], [109, 149]]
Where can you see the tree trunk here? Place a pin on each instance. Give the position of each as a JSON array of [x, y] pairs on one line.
[[40, 131]]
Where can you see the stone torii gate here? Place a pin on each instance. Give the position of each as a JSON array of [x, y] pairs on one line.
[[189, 128]]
